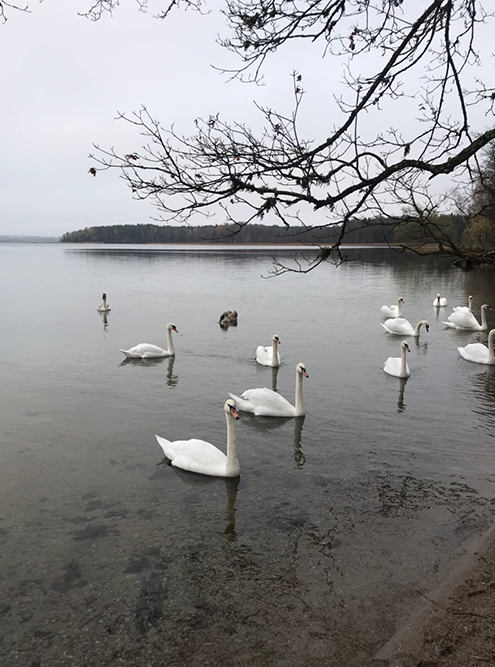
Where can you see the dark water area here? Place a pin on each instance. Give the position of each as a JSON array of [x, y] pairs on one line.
[[340, 521]]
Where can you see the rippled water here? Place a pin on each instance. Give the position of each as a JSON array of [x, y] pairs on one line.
[[339, 521]]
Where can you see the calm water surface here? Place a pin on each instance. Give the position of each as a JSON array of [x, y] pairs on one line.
[[339, 523]]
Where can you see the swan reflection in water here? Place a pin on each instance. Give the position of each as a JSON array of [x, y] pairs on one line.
[[193, 479], [172, 378], [275, 370], [401, 406], [422, 346], [299, 458], [104, 317], [271, 424]]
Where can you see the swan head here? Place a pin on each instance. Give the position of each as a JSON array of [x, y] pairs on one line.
[[426, 325], [276, 339], [405, 346], [470, 298], [172, 327], [438, 295], [485, 306], [400, 300], [103, 296], [229, 407], [301, 368]]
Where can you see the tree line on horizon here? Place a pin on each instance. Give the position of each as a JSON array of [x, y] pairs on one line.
[[360, 231]]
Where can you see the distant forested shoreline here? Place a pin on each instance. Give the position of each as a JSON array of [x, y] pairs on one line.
[[362, 231]]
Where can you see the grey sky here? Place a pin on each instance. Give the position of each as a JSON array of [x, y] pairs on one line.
[[63, 78]]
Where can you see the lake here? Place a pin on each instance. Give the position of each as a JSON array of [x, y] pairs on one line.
[[340, 522]]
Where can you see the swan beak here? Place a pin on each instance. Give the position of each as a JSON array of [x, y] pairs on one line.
[[407, 348], [233, 412], [175, 329], [427, 327], [304, 372]]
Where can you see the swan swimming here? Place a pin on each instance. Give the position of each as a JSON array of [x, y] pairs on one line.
[[464, 320], [402, 327], [103, 307], [464, 309], [267, 403], [228, 319], [393, 311], [148, 351], [203, 457], [440, 301], [269, 356], [397, 366], [479, 353]]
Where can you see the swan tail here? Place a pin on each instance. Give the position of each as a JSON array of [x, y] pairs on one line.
[[127, 354], [242, 403], [164, 444]]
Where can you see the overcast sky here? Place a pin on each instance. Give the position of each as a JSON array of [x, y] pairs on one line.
[[63, 78]]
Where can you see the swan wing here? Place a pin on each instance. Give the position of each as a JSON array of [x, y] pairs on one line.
[[194, 455], [450, 325], [461, 309], [443, 302], [242, 403], [145, 351], [390, 311], [264, 355], [463, 320], [393, 367], [476, 352], [399, 326], [269, 403]]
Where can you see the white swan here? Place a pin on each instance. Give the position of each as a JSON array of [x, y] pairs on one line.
[[148, 351], [461, 319], [269, 356], [396, 366], [267, 403], [464, 309], [440, 301], [479, 353], [402, 327], [393, 311], [103, 307], [203, 457]]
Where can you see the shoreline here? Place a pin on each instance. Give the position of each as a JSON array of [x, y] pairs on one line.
[[453, 627]]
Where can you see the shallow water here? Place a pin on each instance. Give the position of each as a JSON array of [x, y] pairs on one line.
[[339, 523]]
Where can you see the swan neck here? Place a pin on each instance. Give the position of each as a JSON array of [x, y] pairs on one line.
[[274, 353], [399, 308], [483, 318], [232, 466], [418, 327], [403, 362], [299, 405], [170, 342]]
